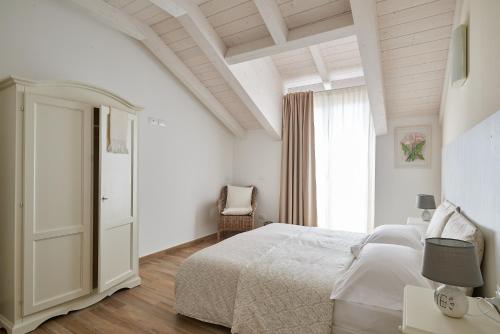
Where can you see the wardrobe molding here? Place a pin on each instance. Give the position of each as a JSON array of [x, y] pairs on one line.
[[61, 194], [64, 84]]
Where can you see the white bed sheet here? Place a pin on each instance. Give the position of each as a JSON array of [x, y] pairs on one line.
[[354, 318]]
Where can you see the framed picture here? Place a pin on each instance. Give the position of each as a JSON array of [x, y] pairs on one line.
[[412, 146]]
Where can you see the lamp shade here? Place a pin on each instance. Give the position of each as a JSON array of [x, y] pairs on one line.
[[425, 202], [452, 262]]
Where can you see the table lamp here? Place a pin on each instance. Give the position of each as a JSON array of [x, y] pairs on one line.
[[426, 202], [453, 263]]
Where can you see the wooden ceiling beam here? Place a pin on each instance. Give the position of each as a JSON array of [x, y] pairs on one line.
[[321, 66], [364, 13], [129, 25], [339, 26], [202, 32], [273, 20]]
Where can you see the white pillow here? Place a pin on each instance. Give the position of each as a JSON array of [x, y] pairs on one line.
[[422, 227], [239, 197], [379, 275], [236, 211], [404, 235], [459, 227], [439, 220]]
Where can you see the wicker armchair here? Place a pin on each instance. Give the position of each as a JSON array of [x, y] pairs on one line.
[[235, 223]]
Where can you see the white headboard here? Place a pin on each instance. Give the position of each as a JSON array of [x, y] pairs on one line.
[[471, 180]]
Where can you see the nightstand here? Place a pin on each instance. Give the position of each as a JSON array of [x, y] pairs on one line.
[[421, 316], [415, 221]]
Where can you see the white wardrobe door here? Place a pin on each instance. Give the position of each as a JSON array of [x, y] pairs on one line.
[[117, 210], [57, 211]]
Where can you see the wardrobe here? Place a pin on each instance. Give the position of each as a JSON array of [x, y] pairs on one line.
[[68, 205]]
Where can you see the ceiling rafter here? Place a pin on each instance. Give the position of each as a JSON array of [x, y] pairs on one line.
[[273, 19], [364, 13], [321, 66], [326, 30], [129, 25], [200, 29]]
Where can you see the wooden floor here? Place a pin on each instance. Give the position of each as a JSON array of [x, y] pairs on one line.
[[148, 308]]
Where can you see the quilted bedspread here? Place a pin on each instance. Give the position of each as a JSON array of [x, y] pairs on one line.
[[275, 279]]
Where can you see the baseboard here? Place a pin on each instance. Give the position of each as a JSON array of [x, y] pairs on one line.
[[148, 257]]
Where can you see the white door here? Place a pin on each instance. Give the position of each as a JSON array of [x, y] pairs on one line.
[[57, 201], [117, 207]]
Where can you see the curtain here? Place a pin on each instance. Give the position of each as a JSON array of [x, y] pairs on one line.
[[345, 159], [298, 182]]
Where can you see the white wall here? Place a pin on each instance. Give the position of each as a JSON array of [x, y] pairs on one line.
[[257, 161], [182, 166], [478, 98], [471, 180], [396, 188], [470, 132]]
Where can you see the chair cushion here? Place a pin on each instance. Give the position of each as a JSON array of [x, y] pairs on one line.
[[237, 211], [239, 197]]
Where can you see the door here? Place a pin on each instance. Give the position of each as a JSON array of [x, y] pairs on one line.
[[57, 201], [117, 207]]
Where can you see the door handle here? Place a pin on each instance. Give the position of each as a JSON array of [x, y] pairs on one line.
[[104, 198]]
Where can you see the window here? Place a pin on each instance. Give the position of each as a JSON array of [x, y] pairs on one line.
[[345, 159]]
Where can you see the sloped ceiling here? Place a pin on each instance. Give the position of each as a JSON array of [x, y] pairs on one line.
[[239, 56]]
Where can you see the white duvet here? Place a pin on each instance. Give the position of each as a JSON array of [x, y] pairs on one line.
[[275, 279]]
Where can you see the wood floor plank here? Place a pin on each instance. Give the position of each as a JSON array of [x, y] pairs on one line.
[[148, 308]]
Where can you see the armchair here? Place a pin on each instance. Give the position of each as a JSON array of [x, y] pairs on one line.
[[235, 223]]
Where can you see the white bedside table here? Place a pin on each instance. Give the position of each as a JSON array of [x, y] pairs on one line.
[[415, 221], [421, 316]]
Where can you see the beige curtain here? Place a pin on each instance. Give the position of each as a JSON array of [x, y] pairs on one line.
[[298, 172]]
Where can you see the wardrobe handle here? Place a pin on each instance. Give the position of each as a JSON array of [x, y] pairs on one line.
[[104, 198]]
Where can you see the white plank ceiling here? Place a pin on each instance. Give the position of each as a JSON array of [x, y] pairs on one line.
[[340, 57], [298, 13], [414, 37], [236, 21]]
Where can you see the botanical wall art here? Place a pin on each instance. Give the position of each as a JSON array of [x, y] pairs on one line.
[[412, 146]]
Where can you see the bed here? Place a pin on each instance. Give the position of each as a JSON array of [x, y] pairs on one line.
[[208, 283], [278, 279]]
